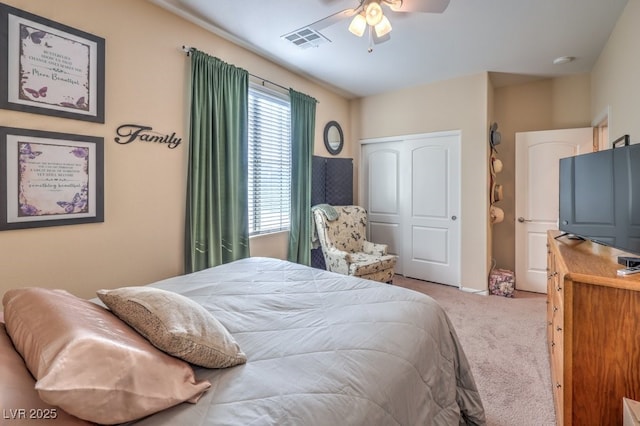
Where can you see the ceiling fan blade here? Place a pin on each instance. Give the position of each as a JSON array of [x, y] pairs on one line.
[[426, 6], [331, 19]]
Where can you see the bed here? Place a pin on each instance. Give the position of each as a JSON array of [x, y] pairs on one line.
[[323, 348]]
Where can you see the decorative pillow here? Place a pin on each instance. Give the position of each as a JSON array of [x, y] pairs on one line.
[[18, 398], [90, 363], [175, 324]]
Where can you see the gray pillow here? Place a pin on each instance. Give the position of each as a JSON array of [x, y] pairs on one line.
[[176, 325]]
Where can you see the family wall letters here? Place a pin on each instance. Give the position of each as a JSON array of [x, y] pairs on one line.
[[128, 133]]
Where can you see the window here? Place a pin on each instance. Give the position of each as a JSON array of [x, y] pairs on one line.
[[269, 161]]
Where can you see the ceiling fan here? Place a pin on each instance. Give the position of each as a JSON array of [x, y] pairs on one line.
[[369, 16]]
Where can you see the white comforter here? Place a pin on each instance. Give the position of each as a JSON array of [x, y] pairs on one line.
[[325, 349]]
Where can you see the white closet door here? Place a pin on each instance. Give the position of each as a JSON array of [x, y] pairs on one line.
[[411, 188], [431, 220], [381, 196]]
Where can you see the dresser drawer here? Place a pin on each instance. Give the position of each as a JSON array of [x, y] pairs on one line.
[[557, 292]]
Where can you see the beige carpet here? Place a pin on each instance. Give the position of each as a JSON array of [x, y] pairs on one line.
[[505, 342]]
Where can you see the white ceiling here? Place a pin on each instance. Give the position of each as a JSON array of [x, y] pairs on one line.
[[520, 37]]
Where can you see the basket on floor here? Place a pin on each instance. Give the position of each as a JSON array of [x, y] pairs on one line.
[[502, 282]]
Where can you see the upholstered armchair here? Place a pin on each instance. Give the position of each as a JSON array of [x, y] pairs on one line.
[[341, 231]]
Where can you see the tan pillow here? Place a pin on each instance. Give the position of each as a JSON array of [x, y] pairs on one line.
[[18, 397], [89, 362], [176, 325]]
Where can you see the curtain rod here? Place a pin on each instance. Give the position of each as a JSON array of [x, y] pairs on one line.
[[188, 51]]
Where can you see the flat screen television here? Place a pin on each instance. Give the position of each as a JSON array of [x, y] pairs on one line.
[[600, 197]]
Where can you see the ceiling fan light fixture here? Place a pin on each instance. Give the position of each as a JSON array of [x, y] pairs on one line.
[[383, 28], [395, 5], [374, 13], [358, 25], [563, 60]]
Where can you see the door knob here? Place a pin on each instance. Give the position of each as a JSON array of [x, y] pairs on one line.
[[522, 219], [454, 217]]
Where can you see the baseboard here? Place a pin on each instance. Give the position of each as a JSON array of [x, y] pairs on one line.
[[475, 291]]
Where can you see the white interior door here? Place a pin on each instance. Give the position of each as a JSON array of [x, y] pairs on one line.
[[411, 189], [536, 195]]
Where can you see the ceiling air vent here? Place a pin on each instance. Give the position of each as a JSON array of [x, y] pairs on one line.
[[305, 38]]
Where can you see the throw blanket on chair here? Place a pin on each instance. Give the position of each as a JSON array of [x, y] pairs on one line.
[[330, 212]]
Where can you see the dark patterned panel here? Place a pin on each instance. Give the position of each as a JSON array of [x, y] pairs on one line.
[[318, 173], [339, 182], [331, 183], [317, 259]]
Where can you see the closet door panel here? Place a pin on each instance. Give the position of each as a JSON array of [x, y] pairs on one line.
[[429, 245], [431, 222], [383, 179], [381, 195], [429, 165]]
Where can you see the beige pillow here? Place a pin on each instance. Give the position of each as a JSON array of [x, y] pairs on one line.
[[175, 324], [89, 362], [18, 398]]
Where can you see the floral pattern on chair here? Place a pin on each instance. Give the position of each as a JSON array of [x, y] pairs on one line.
[[346, 249]]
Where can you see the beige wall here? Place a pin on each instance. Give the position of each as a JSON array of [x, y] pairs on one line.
[[141, 239], [547, 104], [146, 81], [459, 104], [571, 101], [567, 102], [615, 79]]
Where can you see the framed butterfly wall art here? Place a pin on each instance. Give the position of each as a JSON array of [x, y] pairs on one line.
[[50, 68], [50, 179]]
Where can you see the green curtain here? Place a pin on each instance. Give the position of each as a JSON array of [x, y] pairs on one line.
[[303, 124], [217, 228]]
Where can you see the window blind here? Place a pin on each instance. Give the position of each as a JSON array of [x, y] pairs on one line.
[[269, 161]]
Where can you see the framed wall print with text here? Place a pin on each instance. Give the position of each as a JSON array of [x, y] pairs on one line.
[[50, 68], [50, 179]]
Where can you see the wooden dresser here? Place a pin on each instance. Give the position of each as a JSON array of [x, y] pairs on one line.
[[593, 332]]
